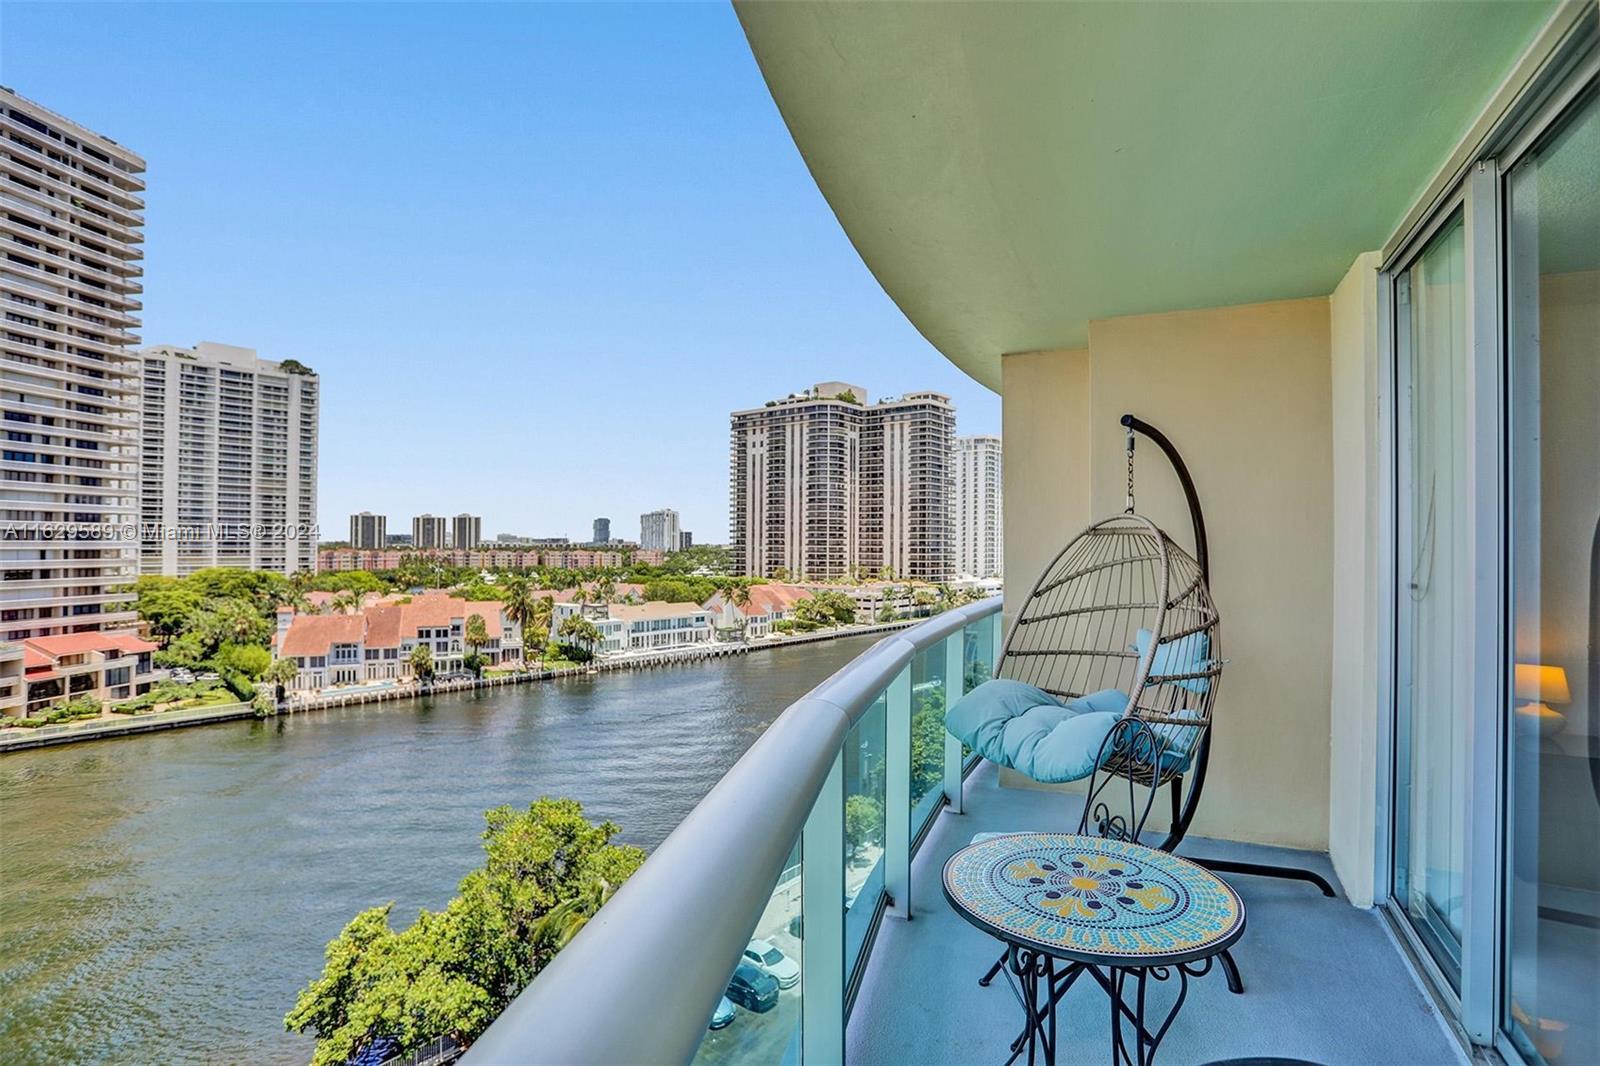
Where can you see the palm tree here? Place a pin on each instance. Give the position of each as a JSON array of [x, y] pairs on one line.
[[577, 629], [422, 663], [346, 602], [555, 929], [739, 594], [517, 601], [605, 588], [280, 674], [476, 635]]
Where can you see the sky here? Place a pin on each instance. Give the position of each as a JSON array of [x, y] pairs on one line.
[[537, 253]]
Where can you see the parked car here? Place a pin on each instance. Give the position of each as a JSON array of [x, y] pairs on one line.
[[753, 988], [722, 1017], [766, 956]]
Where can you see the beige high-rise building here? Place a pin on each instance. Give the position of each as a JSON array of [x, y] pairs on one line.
[[466, 531], [228, 461], [826, 484], [980, 550], [369, 531], [429, 531], [71, 219]]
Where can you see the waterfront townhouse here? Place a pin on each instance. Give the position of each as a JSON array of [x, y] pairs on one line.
[[652, 626], [768, 603], [375, 644], [106, 666]]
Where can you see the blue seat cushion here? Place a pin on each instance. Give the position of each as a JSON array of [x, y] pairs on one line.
[[1023, 727]]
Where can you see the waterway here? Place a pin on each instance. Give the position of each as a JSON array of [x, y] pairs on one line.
[[164, 897]]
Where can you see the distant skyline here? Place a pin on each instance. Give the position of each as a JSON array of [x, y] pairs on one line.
[[537, 253]]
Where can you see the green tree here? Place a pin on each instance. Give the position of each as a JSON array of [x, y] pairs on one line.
[[476, 636], [251, 660], [546, 871], [281, 675], [577, 631], [863, 823], [346, 602], [517, 601], [421, 660], [927, 743], [167, 603]]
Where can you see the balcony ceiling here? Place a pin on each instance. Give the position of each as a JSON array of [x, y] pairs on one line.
[[1011, 171]]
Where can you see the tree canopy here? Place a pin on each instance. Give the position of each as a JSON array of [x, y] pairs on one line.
[[451, 972]]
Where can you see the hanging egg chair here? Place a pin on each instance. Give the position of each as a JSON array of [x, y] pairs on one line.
[[1111, 664]]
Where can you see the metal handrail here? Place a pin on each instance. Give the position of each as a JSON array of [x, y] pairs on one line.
[[640, 982]]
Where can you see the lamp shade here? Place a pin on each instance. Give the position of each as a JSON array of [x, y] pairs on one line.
[[1541, 684]]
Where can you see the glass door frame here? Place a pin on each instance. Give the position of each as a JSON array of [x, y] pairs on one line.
[[1476, 202], [1478, 1011]]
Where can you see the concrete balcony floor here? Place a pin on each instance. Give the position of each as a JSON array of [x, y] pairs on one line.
[[1324, 981]]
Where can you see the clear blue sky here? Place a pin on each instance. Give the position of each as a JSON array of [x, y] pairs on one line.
[[536, 252]]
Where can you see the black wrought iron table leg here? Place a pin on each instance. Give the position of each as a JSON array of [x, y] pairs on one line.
[[1145, 1042], [1230, 970], [1039, 1032]]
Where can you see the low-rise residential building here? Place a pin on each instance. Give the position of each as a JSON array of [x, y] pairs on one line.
[[342, 559], [767, 603], [375, 644], [652, 626], [108, 665]]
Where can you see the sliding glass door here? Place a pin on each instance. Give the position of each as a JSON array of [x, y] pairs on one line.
[[1552, 883], [1433, 614]]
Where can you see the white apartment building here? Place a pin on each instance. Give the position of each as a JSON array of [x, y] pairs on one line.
[[466, 531], [71, 221], [827, 484], [429, 531], [979, 538], [227, 461], [368, 531], [659, 530], [652, 626]]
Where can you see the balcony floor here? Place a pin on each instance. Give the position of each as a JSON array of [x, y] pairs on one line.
[[1324, 981]]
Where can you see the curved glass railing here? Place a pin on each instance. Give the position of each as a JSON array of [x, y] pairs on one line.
[[758, 913]]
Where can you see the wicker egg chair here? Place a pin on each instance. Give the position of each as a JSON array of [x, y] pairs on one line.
[[1124, 607]]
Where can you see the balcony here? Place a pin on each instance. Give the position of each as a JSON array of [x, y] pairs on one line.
[[777, 850]]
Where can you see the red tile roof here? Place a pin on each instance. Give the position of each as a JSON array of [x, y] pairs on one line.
[[383, 627], [314, 634], [112, 641]]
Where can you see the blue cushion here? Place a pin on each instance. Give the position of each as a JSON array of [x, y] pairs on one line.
[[1023, 727], [1069, 753], [1186, 655], [978, 718]]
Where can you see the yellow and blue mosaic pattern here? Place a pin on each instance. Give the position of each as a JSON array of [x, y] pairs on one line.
[[1091, 899]]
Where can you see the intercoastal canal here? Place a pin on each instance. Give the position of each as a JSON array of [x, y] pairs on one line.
[[164, 897]]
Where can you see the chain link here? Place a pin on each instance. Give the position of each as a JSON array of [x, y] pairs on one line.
[[1129, 509]]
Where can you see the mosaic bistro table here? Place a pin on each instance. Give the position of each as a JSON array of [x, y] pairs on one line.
[[1065, 905]]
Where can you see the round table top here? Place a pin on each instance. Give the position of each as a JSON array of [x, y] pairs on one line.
[[1088, 899]]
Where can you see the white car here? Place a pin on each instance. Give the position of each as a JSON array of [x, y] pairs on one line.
[[766, 955]]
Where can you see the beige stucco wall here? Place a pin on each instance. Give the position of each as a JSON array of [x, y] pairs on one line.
[[1045, 426], [1244, 392], [1357, 490]]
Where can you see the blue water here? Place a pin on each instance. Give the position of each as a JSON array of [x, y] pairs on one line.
[[164, 897]]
